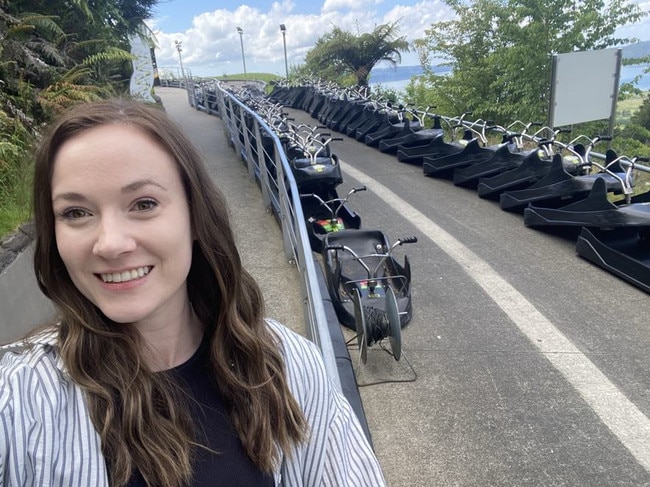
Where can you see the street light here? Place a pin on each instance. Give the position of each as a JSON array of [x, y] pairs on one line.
[[180, 59], [283, 29], [241, 40]]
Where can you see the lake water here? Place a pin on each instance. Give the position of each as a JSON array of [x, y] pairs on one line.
[[398, 78]]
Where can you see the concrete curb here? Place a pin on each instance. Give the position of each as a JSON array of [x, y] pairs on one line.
[[14, 243]]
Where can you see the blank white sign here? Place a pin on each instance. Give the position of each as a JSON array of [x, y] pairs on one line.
[[584, 87]]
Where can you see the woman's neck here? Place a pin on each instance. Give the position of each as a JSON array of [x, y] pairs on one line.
[[173, 342]]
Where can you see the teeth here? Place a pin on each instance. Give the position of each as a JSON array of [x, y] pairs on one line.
[[126, 275]]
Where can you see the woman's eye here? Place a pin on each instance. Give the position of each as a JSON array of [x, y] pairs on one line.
[[145, 205], [74, 213]]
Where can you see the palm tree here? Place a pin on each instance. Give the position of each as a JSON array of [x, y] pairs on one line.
[[341, 52]]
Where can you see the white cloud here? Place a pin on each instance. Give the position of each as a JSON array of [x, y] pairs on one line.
[[414, 20], [212, 45], [350, 5]]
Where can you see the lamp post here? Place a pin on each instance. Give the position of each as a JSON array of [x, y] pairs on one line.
[[180, 59], [283, 29], [241, 41]]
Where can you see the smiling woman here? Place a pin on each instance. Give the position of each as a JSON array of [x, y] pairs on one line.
[[161, 370], [123, 231]]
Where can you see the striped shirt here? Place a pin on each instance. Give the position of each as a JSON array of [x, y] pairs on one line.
[[47, 437]]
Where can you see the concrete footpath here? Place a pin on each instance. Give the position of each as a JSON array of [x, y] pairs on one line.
[[259, 237]]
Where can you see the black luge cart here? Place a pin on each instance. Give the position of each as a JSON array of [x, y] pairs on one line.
[[369, 289]]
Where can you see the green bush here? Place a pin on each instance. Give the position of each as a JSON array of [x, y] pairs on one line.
[[15, 185]]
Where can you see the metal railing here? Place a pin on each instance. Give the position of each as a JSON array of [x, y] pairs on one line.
[[261, 150]]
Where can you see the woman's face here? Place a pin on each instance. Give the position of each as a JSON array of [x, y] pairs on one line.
[[122, 224]]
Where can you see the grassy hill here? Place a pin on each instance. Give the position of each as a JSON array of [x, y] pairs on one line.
[[266, 77]]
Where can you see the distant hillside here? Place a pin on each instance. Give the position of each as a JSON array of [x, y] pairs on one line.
[[639, 49]]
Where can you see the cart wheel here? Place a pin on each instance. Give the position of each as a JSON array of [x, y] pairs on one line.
[[394, 323], [360, 323]]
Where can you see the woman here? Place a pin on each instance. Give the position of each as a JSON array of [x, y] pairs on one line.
[[161, 370]]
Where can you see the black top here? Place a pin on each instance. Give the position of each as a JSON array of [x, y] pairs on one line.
[[230, 467]]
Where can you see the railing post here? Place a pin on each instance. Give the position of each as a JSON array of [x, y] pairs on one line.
[[248, 150], [189, 88], [285, 215], [264, 173], [239, 124]]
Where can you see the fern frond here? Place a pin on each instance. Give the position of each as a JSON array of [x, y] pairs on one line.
[[110, 54], [62, 95], [46, 25]]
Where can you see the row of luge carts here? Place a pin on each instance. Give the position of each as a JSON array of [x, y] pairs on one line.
[[564, 187], [369, 288]]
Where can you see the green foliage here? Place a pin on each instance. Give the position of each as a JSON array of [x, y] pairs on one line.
[[627, 106], [642, 117], [387, 94], [111, 21], [29, 50], [15, 179], [266, 77], [55, 53], [500, 52], [340, 54], [636, 139], [110, 54]]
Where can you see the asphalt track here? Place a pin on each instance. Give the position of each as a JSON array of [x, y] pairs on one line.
[[532, 364]]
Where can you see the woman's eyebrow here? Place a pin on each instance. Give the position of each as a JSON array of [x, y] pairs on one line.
[[70, 196], [129, 188], [136, 185]]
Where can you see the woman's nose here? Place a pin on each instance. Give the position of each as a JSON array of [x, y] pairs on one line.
[[114, 238]]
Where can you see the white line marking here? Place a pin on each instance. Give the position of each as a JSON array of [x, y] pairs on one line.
[[615, 410]]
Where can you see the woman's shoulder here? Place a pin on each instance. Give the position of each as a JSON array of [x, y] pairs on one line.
[[292, 344], [303, 364], [29, 365]]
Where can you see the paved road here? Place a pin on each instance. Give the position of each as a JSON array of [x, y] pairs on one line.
[[532, 364]]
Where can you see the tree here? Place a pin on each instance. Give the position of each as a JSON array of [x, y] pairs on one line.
[[83, 20], [54, 53], [92, 28], [499, 52], [642, 117], [29, 50], [341, 53]]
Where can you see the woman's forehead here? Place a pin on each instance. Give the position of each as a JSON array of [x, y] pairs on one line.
[[112, 154]]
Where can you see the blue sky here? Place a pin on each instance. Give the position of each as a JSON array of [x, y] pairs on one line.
[[177, 15], [211, 44]]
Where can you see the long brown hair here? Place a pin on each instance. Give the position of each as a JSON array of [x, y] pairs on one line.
[[134, 410]]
